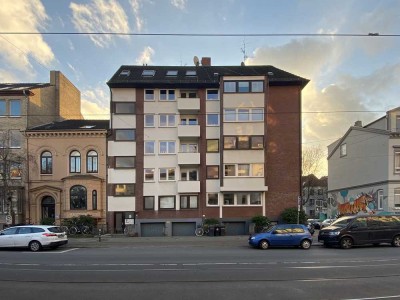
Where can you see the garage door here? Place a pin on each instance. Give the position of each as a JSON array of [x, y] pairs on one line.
[[235, 228], [183, 229], [152, 229]]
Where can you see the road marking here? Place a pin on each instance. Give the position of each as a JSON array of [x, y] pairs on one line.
[[372, 298], [331, 267]]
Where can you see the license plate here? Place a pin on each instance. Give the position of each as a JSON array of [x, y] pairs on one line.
[[61, 235]]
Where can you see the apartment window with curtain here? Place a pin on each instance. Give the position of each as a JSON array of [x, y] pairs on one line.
[[75, 162], [46, 163]]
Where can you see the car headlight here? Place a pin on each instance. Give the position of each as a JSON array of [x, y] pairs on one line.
[[252, 238], [334, 233]]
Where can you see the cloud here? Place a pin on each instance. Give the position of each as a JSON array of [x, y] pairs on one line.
[[145, 56], [95, 102], [100, 16], [19, 50], [179, 4], [8, 77], [136, 12]]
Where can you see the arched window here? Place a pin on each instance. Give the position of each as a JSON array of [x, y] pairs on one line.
[[75, 162], [78, 197], [92, 162], [46, 163], [94, 200]]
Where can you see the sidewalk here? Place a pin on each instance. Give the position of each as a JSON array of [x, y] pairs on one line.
[[119, 240]]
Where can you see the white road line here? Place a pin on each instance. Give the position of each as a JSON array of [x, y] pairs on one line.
[[331, 267], [372, 298]]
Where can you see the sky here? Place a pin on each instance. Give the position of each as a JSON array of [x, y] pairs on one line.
[[351, 77]]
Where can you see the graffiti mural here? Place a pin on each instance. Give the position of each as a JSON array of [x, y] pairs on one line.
[[354, 204]]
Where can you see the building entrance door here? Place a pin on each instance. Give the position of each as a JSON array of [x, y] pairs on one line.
[[48, 208]]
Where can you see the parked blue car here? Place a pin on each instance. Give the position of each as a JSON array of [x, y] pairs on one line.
[[282, 235]]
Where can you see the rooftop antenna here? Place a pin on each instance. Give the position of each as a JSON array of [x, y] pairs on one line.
[[243, 50]]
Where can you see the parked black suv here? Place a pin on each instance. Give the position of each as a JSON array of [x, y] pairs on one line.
[[361, 230]]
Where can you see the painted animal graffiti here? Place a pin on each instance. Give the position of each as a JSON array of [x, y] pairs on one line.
[[360, 204]]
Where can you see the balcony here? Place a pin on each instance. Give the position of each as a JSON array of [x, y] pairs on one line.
[[189, 105], [188, 187], [188, 131], [188, 158], [238, 184]]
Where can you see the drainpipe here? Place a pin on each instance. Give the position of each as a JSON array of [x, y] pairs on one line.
[[27, 156]]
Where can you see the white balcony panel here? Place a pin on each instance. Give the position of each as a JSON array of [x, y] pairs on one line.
[[188, 131], [188, 187], [123, 121], [245, 128], [121, 176], [121, 203], [239, 184], [159, 188], [212, 159], [189, 104], [185, 158], [123, 95], [213, 186], [121, 148], [212, 132], [244, 157]]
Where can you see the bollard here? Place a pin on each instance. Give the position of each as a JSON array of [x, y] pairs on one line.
[[99, 234]]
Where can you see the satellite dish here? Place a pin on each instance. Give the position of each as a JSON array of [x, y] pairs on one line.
[[242, 64], [196, 60]]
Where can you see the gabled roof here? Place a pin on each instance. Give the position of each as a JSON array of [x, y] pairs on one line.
[[6, 88], [73, 125], [206, 76]]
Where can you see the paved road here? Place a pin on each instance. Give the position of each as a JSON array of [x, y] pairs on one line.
[[198, 268]]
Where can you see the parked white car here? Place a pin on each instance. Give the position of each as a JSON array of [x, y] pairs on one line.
[[34, 237]]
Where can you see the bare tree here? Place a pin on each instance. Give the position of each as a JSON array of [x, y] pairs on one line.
[[311, 164], [11, 175]]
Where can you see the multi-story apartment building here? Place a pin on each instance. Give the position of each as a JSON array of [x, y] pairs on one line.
[[194, 142], [23, 105], [316, 203], [364, 167], [67, 170]]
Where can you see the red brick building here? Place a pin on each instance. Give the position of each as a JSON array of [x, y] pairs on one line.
[[205, 141]]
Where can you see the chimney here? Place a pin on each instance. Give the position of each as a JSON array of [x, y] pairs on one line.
[[358, 124], [206, 61]]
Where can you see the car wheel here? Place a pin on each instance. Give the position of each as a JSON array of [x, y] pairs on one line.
[[264, 245], [35, 246], [305, 244], [346, 243], [396, 241]]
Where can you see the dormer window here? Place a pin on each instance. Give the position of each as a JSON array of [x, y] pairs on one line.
[[172, 73], [190, 73], [148, 73], [125, 73]]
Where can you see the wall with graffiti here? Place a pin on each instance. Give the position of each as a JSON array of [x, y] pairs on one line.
[[351, 202]]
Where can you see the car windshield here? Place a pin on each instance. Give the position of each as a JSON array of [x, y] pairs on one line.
[[55, 229], [342, 222]]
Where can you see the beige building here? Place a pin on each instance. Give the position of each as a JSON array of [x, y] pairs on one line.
[[24, 105], [67, 170]]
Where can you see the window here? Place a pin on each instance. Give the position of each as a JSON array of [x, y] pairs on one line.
[[78, 197], [148, 73], [257, 170], [189, 148], [257, 142], [229, 87], [125, 73], [149, 147], [172, 73], [212, 119], [167, 95], [213, 95], [230, 170], [319, 192], [312, 192], [149, 202], [343, 150], [124, 107], [167, 121], [212, 145], [243, 142], [397, 162], [125, 134], [124, 189], [189, 121], [212, 172], [255, 198], [15, 139], [167, 174], [229, 142], [75, 162], [166, 202], [397, 198], [243, 86], [149, 121], [189, 201], [191, 73], [92, 162], [15, 108], [212, 199], [243, 114], [189, 175], [3, 108], [149, 95], [15, 170], [148, 175], [167, 147], [189, 94], [94, 200], [242, 199], [229, 199], [257, 114], [243, 169], [229, 115], [46, 163], [380, 199], [125, 162], [257, 86]]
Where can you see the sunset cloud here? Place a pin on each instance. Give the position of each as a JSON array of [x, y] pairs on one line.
[[146, 56]]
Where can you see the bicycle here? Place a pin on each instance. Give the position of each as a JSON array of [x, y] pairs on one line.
[[202, 230], [129, 230], [84, 229]]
